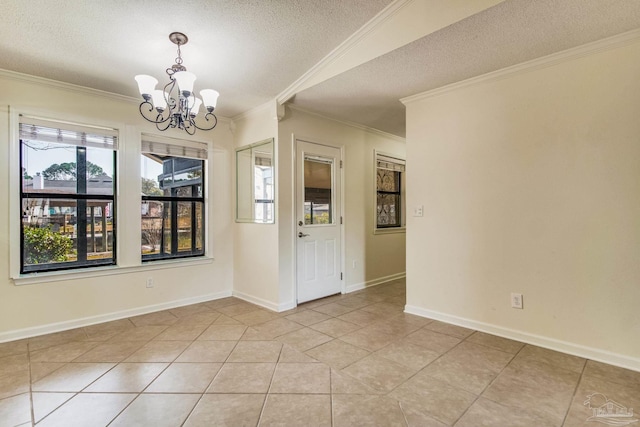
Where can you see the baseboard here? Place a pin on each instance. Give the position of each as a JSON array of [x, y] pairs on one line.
[[92, 320], [541, 341], [257, 301], [375, 282]]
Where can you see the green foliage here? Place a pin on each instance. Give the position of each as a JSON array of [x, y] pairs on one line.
[[150, 188], [68, 171], [42, 245]]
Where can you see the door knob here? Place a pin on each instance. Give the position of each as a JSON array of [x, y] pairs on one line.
[[301, 234]]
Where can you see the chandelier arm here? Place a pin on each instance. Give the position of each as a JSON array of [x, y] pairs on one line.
[[159, 117], [215, 122], [169, 123], [190, 129]]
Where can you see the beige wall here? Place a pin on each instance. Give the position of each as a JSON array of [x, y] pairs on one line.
[[53, 305], [255, 259], [377, 257], [531, 184]]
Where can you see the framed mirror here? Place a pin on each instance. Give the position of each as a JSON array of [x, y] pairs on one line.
[[255, 183]]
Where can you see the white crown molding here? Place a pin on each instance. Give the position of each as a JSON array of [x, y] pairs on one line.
[[337, 53], [253, 111], [350, 124], [27, 78], [42, 81], [608, 43]]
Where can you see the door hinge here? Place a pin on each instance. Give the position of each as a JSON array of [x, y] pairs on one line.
[[340, 276], [340, 164], [340, 220]]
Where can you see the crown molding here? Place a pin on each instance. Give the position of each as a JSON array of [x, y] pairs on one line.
[[253, 111], [343, 48], [608, 43], [350, 124], [42, 81]]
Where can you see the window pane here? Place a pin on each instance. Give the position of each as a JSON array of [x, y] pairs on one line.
[[388, 210], [49, 231], [99, 171], [52, 168], [100, 229], [317, 191], [199, 226], [388, 180], [152, 220], [166, 227], [151, 168], [263, 189], [184, 226], [48, 167]]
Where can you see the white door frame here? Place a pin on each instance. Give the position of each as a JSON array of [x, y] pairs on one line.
[[294, 194]]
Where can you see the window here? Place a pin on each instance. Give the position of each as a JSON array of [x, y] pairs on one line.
[[389, 192], [255, 183], [263, 187], [318, 183], [173, 209], [66, 195]]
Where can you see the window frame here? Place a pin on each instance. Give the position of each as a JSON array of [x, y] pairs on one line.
[[174, 200], [80, 196], [393, 158]]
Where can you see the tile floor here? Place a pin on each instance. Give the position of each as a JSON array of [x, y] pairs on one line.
[[346, 360]]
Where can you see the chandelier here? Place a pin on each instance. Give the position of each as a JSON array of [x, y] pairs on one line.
[[176, 106]]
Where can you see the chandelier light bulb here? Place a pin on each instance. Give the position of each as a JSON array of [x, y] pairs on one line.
[[209, 98], [185, 81], [159, 100], [146, 84], [194, 106]]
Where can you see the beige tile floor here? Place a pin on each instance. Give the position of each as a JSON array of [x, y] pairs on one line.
[[346, 360]]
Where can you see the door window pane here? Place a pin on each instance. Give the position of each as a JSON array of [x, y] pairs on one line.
[[318, 184]]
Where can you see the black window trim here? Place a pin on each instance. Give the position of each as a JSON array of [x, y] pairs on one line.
[[82, 220]]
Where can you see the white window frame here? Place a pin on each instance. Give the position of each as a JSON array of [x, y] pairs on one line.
[[378, 155], [127, 197]]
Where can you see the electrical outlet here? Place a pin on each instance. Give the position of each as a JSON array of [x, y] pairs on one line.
[[418, 211], [150, 282], [516, 300]]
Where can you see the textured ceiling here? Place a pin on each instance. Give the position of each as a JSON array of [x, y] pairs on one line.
[[507, 34], [248, 50], [251, 50]]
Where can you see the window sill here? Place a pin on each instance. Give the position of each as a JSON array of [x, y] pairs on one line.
[[57, 276], [394, 230]]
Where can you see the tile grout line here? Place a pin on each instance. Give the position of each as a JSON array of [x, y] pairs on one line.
[[212, 379], [266, 395], [575, 391], [479, 395]]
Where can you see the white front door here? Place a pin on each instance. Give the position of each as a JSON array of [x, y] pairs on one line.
[[318, 249]]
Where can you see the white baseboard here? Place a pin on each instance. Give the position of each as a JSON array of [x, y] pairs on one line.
[[108, 317], [257, 301], [541, 341], [375, 282]]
